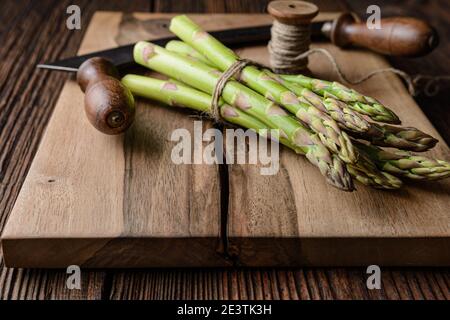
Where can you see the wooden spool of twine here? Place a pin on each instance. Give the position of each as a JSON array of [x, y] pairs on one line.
[[290, 35], [291, 38]]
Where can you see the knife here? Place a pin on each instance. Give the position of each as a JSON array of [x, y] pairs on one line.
[[399, 36], [109, 105]]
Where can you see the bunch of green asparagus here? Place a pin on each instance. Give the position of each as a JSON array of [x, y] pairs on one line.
[[335, 127]]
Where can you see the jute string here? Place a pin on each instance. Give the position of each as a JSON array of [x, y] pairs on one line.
[[234, 69], [286, 44], [430, 83], [289, 51], [297, 59]]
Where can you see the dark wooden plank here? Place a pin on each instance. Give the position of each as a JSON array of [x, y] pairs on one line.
[[268, 284], [19, 146], [303, 284], [27, 97]]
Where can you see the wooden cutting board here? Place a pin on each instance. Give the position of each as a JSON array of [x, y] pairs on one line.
[[103, 201]]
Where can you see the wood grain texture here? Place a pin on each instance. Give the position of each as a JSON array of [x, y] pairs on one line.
[[106, 201], [22, 125], [24, 114], [349, 282], [278, 284], [96, 200], [312, 223]]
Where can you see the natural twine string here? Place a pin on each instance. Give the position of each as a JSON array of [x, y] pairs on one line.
[[289, 51], [286, 44], [430, 83], [234, 69]]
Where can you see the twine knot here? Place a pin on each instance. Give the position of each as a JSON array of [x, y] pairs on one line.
[[234, 69]]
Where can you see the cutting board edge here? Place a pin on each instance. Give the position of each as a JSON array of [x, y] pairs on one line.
[[94, 253], [11, 239], [346, 252]]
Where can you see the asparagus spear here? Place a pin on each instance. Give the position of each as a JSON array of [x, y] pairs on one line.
[[339, 111], [363, 170], [204, 78], [366, 172], [186, 50], [324, 88], [222, 57], [407, 138], [358, 102], [406, 164], [176, 94], [306, 142]]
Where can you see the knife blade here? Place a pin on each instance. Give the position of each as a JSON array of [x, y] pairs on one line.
[[123, 56]]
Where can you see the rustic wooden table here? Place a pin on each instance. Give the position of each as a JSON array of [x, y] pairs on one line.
[[32, 32]]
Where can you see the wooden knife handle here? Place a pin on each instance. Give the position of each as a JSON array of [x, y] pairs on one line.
[[399, 36], [109, 105]]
